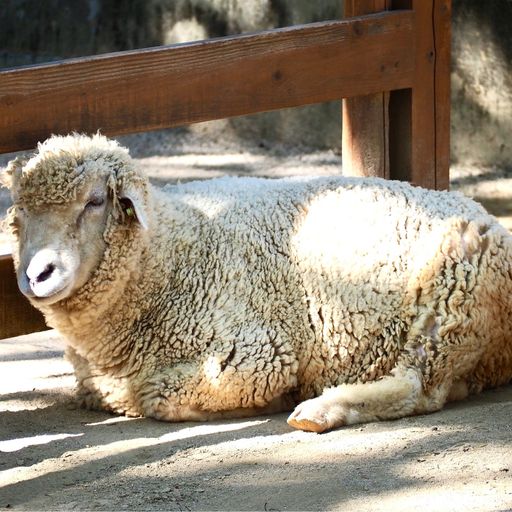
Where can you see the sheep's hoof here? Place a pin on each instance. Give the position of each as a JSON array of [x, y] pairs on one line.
[[86, 400], [310, 416]]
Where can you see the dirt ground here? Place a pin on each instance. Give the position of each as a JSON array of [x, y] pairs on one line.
[[54, 457]]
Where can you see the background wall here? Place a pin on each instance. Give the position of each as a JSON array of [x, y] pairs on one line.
[[33, 31], [482, 82]]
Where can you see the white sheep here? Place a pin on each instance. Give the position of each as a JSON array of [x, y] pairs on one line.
[[352, 299]]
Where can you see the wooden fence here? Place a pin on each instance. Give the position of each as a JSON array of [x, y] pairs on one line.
[[388, 59]]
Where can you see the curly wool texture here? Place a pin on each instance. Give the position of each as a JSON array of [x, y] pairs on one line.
[[59, 168], [246, 292]]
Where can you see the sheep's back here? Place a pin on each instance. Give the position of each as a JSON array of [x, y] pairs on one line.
[[333, 265]]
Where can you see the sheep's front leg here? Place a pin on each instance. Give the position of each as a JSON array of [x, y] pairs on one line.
[[86, 396], [252, 375], [180, 394], [394, 396], [99, 391]]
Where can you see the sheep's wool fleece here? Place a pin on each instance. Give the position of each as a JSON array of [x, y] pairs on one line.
[[244, 290]]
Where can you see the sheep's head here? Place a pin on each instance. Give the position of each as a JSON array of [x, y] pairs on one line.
[[64, 199]]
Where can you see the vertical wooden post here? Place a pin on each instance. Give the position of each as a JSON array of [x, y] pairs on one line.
[[420, 118], [417, 144], [442, 14], [365, 118]]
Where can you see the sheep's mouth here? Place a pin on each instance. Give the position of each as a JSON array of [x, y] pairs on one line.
[[40, 297], [55, 296]]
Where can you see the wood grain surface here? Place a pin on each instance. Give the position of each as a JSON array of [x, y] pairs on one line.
[[167, 86], [419, 133], [365, 118]]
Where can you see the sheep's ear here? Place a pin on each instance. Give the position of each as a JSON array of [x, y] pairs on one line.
[[132, 207], [10, 176], [133, 201]]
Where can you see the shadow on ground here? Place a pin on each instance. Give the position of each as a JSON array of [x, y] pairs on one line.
[[53, 457]]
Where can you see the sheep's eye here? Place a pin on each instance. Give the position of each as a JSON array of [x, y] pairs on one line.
[[95, 202], [92, 205]]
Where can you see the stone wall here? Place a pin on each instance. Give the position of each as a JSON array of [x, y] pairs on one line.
[[33, 31], [482, 82]]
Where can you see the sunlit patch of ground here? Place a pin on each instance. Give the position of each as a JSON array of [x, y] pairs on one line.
[[491, 187]]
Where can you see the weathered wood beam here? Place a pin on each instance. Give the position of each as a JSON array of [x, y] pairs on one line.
[[419, 118], [442, 15], [405, 134], [167, 86], [365, 120]]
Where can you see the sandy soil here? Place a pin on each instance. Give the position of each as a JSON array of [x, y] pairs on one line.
[[54, 457]]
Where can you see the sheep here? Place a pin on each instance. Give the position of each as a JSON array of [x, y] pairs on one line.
[[344, 300]]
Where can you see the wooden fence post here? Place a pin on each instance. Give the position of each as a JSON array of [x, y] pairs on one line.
[[416, 143], [365, 145]]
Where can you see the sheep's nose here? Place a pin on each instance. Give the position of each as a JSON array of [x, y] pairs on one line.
[[45, 275], [38, 275]]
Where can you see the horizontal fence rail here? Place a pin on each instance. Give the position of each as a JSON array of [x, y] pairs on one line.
[[168, 86]]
